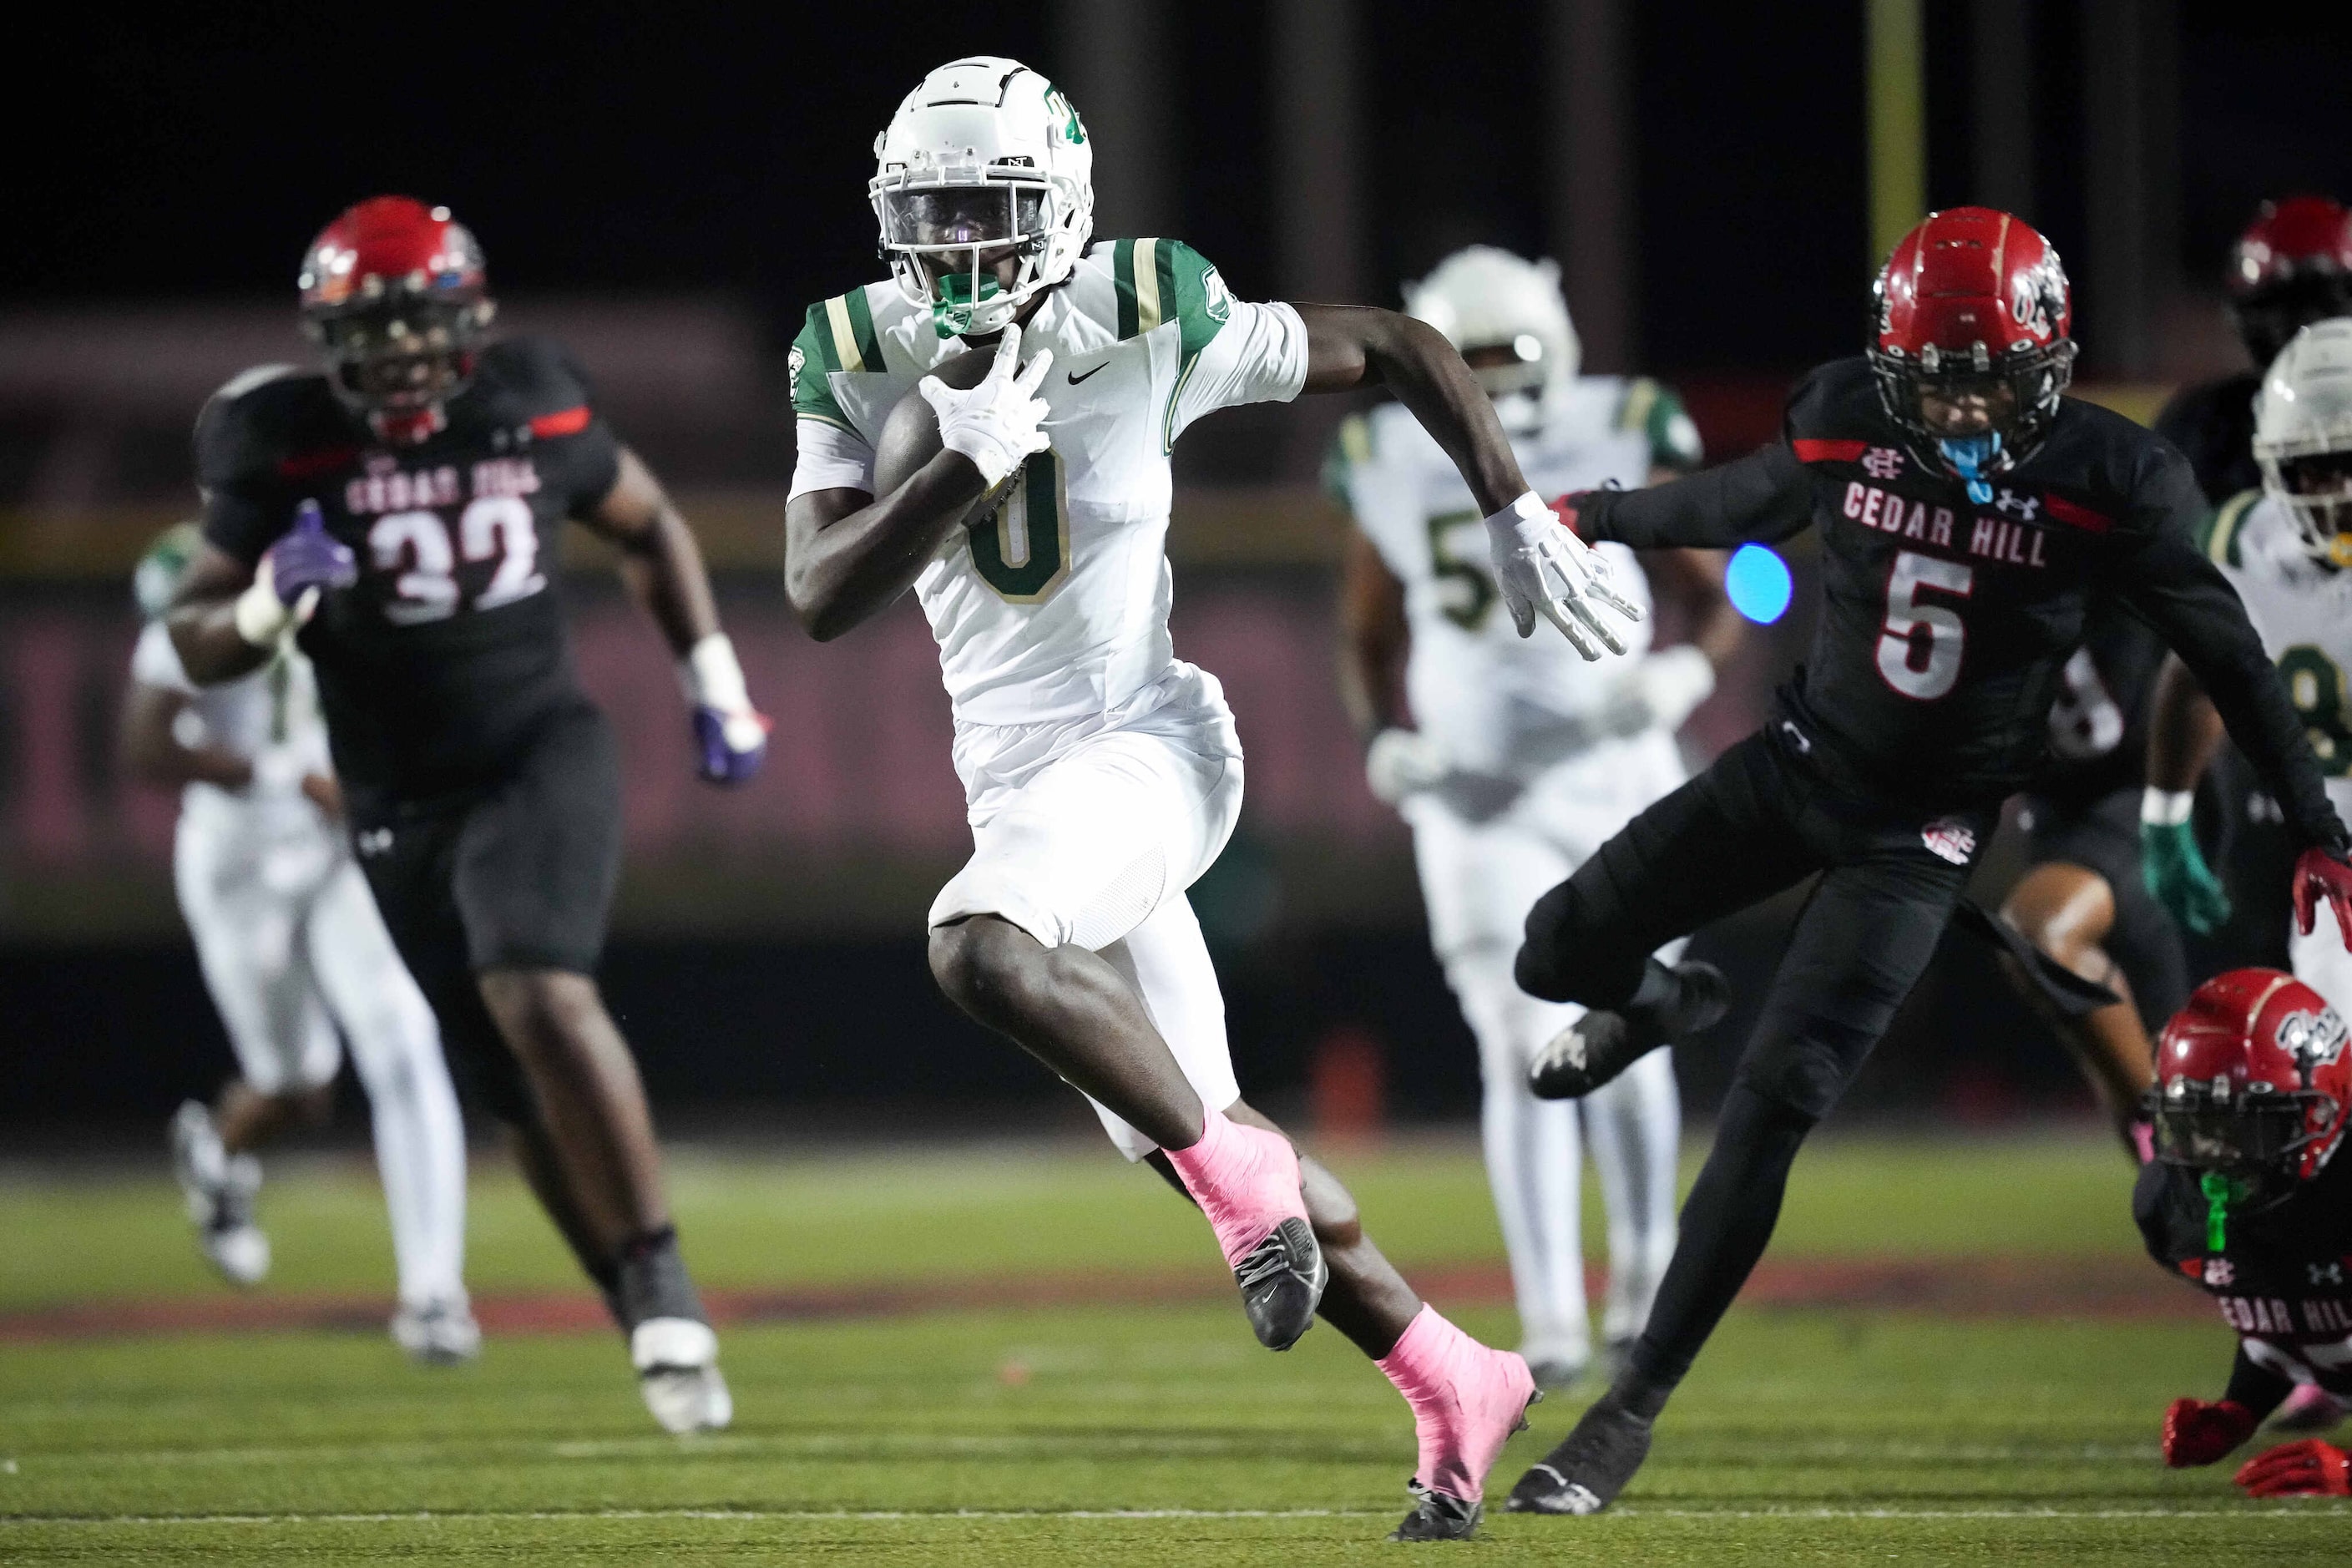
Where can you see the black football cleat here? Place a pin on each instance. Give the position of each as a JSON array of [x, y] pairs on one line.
[[1591, 1466], [1282, 1281], [1437, 1517], [1594, 1050]]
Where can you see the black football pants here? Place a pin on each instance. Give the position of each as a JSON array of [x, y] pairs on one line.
[[1763, 817]]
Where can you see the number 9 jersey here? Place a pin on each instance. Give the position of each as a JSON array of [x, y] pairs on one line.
[[435, 669], [1053, 604]]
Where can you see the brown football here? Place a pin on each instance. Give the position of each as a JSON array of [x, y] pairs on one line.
[[910, 435]]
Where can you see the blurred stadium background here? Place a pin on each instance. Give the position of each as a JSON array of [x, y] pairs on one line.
[[667, 195]]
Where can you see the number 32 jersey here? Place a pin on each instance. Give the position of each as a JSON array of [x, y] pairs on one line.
[[1946, 621], [1053, 603], [2304, 611], [436, 666], [1497, 703]]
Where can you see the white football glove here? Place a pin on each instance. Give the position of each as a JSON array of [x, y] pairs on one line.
[[1659, 691], [1400, 762], [1543, 568], [994, 424]]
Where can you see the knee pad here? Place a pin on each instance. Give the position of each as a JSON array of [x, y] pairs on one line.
[[1570, 954], [1802, 1073]]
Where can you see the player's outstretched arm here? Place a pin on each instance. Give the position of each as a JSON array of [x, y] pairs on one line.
[[1758, 498], [2183, 732], [662, 565], [1540, 567], [848, 554]]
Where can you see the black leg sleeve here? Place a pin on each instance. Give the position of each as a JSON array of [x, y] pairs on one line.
[[1860, 946], [1716, 845]]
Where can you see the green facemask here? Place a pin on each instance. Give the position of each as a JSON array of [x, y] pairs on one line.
[[953, 308]]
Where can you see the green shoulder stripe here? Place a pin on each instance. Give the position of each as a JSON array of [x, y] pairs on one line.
[[812, 360], [2218, 536], [1351, 448], [1652, 408]]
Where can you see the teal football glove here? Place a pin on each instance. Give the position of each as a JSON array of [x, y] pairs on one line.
[[2178, 877]]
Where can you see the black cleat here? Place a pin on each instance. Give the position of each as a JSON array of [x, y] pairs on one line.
[[1437, 1517], [1282, 1282], [1591, 1466], [1594, 1050]]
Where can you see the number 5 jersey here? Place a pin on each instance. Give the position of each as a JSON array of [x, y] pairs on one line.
[[438, 666], [1947, 620], [1053, 604]]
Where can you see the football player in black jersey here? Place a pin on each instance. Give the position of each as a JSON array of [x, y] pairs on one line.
[[391, 514], [2291, 265], [2250, 1196], [1971, 518], [2082, 901]]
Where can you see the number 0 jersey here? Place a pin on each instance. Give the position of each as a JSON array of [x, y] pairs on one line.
[[436, 667], [1944, 623], [1053, 603], [1500, 704], [2304, 611]]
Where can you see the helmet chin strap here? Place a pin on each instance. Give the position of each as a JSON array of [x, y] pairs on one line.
[[1971, 456]]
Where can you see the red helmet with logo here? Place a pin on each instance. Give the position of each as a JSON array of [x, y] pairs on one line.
[[396, 293], [2291, 268], [1974, 309], [2253, 1079]]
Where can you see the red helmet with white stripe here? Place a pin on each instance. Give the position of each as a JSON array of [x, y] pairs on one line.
[[2291, 268], [396, 293], [2253, 1079], [1972, 349]]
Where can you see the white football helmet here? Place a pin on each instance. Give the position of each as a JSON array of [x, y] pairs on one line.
[[985, 159], [1485, 298], [2303, 437]]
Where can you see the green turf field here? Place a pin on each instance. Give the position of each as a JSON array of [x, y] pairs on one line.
[[1076, 1433]]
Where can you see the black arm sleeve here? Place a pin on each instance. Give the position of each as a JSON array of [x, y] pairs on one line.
[[2171, 585], [1765, 494], [2256, 1386]]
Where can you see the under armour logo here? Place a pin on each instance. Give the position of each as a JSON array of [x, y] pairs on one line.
[[1881, 462], [2021, 505], [372, 840], [2325, 1273], [2218, 1271]]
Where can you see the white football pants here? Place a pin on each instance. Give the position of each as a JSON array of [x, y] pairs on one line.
[[1479, 876], [291, 947]]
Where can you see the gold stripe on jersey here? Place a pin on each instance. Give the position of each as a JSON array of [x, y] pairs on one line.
[[845, 335], [2221, 535], [1148, 308]]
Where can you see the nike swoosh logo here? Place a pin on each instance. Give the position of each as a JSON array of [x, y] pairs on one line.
[[1076, 377]]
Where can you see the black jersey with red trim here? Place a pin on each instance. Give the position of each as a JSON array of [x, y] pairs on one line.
[[2098, 725], [2283, 1277], [1944, 623], [436, 665], [2212, 423]]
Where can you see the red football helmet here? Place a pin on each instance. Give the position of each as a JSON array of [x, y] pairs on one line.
[[2253, 1079], [2291, 268], [394, 292], [1973, 312]]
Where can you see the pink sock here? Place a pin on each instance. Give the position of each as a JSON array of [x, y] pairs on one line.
[[1466, 1401], [1245, 1179]]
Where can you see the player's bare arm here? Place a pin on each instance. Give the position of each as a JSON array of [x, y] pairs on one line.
[[203, 622], [2184, 730], [1374, 640]]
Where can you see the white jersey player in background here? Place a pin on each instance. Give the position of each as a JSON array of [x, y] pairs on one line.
[[2287, 549], [1513, 760], [1102, 774], [292, 949]]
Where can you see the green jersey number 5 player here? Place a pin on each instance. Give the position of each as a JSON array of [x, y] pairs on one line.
[[1028, 509]]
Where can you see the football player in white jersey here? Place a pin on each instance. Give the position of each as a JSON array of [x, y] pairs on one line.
[[1102, 773], [1513, 760], [2287, 549], [292, 950]]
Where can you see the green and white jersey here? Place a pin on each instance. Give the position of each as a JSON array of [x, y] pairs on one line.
[[1500, 704], [2304, 611], [274, 709], [1053, 604]]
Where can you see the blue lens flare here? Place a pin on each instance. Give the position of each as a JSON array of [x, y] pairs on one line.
[[1758, 581]]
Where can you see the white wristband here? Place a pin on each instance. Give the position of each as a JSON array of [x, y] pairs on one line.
[[1523, 518], [712, 678], [2165, 807]]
